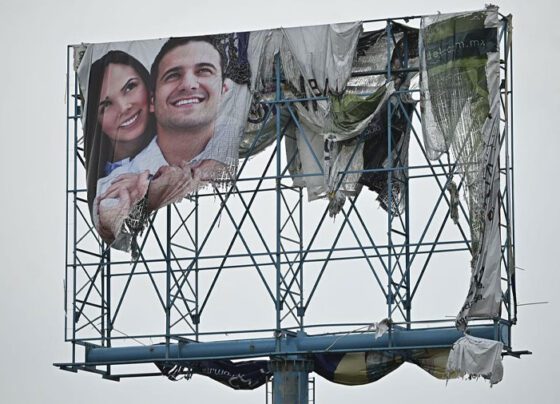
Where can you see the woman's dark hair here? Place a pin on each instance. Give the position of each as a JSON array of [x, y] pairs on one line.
[[98, 148]]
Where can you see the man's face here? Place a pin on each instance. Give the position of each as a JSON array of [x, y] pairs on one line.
[[188, 87]]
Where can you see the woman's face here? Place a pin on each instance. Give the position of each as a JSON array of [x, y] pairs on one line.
[[123, 103]]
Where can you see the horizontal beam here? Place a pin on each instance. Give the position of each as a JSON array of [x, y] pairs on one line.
[[396, 339]]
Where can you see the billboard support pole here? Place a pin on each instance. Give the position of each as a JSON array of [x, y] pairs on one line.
[[290, 383]]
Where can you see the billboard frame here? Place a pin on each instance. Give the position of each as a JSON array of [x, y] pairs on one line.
[[90, 271]]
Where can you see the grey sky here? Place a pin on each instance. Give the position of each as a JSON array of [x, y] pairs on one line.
[[34, 35]]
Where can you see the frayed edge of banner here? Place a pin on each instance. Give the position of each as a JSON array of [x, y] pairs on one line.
[[218, 176], [452, 374]]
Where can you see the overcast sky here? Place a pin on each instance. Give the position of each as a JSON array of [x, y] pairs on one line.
[[34, 36]]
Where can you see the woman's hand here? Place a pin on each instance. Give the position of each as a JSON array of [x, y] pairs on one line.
[[114, 205]]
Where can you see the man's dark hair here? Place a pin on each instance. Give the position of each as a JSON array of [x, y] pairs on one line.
[[173, 43]]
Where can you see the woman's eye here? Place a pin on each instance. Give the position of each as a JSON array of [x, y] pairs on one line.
[[103, 105], [130, 86]]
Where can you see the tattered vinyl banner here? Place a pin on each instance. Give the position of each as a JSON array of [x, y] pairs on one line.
[[166, 117]]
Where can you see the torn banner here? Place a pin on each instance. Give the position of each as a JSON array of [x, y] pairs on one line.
[[344, 368], [476, 357], [241, 375], [348, 131], [470, 356], [460, 113], [367, 367]]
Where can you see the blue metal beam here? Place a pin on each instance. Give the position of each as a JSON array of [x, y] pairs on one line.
[[396, 339]]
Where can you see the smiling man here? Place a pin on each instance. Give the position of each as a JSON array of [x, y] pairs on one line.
[[188, 83]]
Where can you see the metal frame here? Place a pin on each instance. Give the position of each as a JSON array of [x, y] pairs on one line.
[[188, 248]]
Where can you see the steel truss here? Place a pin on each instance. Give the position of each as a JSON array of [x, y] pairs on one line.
[[262, 230]]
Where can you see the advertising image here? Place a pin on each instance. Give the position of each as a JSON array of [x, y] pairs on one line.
[[162, 118]]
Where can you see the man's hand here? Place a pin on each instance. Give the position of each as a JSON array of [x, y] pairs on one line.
[[170, 184]]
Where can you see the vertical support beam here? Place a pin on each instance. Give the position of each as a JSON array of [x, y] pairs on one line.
[[68, 50], [75, 218], [301, 308], [290, 383], [168, 302], [267, 392], [505, 146], [512, 173], [106, 303], [103, 328], [278, 264], [407, 303], [509, 46], [197, 271], [390, 299], [512, 304]]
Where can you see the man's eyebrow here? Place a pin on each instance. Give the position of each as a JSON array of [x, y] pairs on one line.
[[206, 64]]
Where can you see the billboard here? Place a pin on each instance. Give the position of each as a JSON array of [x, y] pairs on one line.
[[163, 118]]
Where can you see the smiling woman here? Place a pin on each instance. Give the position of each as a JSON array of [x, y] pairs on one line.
[[122, 110], [118, 122]]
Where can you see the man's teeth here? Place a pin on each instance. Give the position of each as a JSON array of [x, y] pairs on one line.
[[130, 121], [187, 101]]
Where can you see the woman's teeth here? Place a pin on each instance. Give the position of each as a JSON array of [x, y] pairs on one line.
[[130, 121]]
